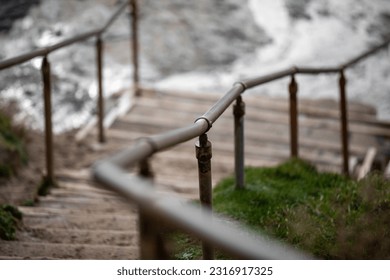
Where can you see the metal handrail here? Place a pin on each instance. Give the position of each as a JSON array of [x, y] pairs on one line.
[[152, 144], [173, 211], [201, 223], [111, 173], [46, 75], [66, 42]]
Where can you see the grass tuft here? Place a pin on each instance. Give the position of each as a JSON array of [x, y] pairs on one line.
[[326, 214], [10, 216]]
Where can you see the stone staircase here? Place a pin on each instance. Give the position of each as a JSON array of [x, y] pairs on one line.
[[80, 220]]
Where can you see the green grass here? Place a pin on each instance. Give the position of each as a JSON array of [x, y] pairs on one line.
[[9, 219], [326, 214]]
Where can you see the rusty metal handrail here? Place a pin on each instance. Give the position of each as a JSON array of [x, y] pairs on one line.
[[110, 171], [46, 75], [157, 208], [200, 222], [49, 49]]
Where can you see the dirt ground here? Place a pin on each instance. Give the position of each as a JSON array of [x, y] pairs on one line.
[[22, 187]]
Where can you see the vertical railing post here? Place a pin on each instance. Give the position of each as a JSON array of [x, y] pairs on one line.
[[293, 89], [151, 241], [203, 154], [344, 123], [46, 78], [239, 112], [99, 66], [134, 46]]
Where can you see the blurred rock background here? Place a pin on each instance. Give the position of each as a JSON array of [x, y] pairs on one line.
[[202, 45]]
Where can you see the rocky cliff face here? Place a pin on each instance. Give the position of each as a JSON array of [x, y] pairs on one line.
[[179, 36], [190, 45], [10, 10]]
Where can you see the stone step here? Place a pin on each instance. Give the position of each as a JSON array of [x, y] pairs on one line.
[[91, 205], [174, 118], [79, 236], [120, 138], [255, 96], [114, 221], [125, 209], [90, 188], [23, 250], [262, 104], [91, 194]]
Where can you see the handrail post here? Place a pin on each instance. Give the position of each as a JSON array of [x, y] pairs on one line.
[[134, 46], [203, 154], [46, 78], [239, 112], [151, 241], [99, 66], [344, 123], [293, 89], [145, 170]]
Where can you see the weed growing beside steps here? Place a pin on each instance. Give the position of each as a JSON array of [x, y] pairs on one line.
[[45, 185], [10, 217], [326, 214], [12, 148]]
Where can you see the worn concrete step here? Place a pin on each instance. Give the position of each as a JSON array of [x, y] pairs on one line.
[[40, 210], [81, 175], [84, 188], [256, 96], [254, 134], [91, 194], [50, 202], [21, 250], [91, 205], [175, 118], [114, 221], [79, 236], [263, 105]]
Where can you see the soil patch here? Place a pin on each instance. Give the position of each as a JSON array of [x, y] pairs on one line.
[[22, 188]]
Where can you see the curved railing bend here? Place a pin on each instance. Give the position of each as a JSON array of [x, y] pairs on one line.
[[111, 173], [156, 209]]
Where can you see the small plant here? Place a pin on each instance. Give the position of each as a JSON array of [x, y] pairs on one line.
[[28, 203], [12, 148], [186, 248], [45, 185], [10, 216]]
